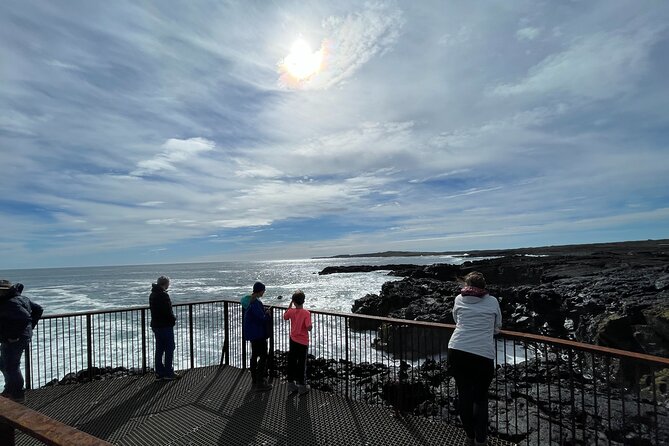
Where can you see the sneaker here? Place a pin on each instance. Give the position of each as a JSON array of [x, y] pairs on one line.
[[302, 389], [292, 387], [262, 387], [18, 398], [173, 377]]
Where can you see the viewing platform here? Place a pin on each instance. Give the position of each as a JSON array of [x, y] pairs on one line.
[[216, 406], [374, 380]]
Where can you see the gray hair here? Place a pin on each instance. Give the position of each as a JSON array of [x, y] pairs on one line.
[[162, 281]]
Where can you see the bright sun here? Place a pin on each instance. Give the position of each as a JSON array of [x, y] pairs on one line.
[[302, 62]]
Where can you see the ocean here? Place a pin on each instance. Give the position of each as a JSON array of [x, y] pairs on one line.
[[72, 290], [66, 290]]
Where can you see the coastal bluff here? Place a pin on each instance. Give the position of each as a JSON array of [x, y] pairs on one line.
[[610, 294]]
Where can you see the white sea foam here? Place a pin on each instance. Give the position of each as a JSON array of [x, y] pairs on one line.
[[66, 290]]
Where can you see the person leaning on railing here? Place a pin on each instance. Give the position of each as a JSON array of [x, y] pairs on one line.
[[163, 321], [471, 354], [18, 317]]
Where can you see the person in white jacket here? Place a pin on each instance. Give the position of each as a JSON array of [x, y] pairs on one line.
[[471, 354]]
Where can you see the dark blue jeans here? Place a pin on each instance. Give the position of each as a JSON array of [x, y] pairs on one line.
[[10, 364], [164, 348]]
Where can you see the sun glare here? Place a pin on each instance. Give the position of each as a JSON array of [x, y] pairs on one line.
[[302, 62]]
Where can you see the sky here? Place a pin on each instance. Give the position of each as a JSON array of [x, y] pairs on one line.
[[165, 132]]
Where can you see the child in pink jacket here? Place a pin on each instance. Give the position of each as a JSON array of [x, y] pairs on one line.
[[300, 326]]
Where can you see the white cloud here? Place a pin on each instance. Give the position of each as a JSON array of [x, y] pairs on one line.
[[596, 66], [461, 37], [175, 151], [528, 33], [354, 39], [399, 138]]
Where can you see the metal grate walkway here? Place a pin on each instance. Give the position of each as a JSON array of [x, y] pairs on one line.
[[212, 406]]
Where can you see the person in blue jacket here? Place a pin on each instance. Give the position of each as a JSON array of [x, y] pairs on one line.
[[256, 319], [18, 317]]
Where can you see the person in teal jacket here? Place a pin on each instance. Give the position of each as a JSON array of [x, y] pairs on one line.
[[256, 319]]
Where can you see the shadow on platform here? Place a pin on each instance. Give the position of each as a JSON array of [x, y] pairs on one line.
[[212, 406]]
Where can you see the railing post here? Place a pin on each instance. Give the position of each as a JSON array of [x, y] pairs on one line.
[[28, 379], [348, 370], [144, 340], [243, 342], [226, 323], [190, 335], [270, 356], [89, 346]]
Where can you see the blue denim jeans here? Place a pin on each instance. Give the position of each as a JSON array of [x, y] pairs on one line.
[[10, 364], [164, 348]]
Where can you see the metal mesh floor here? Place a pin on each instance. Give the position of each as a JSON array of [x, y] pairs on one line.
[[212, 406]]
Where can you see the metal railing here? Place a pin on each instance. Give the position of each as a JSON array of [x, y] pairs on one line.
[[545, 390]]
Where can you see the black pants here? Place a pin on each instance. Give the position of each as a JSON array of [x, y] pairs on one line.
[[297, 362], [258, 360], [473, 375]]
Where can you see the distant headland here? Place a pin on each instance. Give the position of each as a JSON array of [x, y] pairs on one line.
[[576, 249]]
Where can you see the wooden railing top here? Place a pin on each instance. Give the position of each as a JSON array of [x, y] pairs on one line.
[[43, 428]]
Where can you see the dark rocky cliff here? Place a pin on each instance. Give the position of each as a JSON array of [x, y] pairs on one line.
[[615, 295]]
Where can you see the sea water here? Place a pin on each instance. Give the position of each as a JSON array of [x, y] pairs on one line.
[[67, 290]]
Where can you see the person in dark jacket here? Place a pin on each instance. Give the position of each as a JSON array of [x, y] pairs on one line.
[[18, 317], [256, 319], [162, 324]]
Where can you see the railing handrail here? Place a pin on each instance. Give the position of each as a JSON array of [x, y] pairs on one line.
[[37, 425], [513, 335], [546, 388]]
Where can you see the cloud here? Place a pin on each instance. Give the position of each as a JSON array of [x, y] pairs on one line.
[[354, 39], [528, 33], [459, 38], [597, 66], [431, 127], [175, 151]]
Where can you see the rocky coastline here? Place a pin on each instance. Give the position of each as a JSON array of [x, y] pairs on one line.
[[615, 295]]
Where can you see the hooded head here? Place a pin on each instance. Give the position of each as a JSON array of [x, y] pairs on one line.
[[163, 282], [6, 289]]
